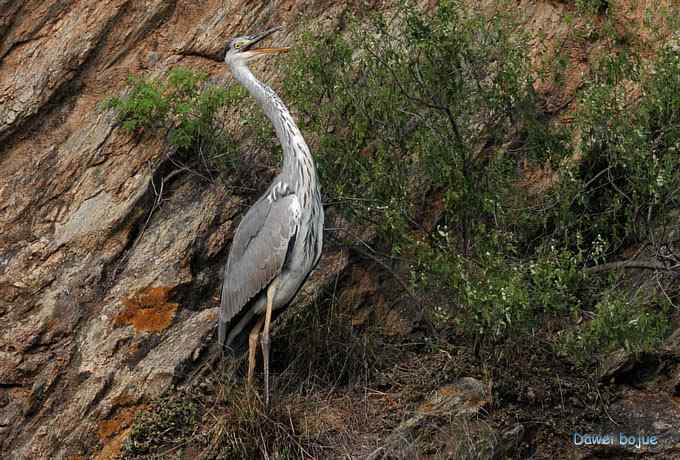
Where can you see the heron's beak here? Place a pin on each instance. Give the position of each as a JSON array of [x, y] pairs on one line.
[[261, 36], [270, 50]]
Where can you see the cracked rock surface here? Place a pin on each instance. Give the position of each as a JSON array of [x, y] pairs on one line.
[[101, 306]]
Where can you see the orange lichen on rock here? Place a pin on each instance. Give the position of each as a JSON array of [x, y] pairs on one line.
[[111, 450], [109, 428], [148, 310], [112, 432]]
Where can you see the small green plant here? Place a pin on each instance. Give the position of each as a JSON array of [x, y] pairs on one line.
[[184, 106], [591, 6], [619, 323], [168, 423], [500, 295], [142, 107]]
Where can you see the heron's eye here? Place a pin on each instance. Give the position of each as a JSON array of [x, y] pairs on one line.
[[238, 45]]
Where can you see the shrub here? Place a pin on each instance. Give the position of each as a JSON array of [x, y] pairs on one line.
[[619, 323], [626, 183], [420, 118], [413, 119], [438, 111], [184, 106]]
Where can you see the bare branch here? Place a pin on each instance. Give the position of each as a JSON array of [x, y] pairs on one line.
[[632, 264]]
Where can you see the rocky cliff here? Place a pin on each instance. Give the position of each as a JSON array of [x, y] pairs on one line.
[[108, 295], [99, 301]]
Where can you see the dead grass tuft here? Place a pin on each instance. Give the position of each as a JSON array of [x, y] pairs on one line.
[[168, 425], [324, 346], [235, 423]]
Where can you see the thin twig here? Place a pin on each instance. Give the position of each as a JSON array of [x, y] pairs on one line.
[[391, 272], [632, 264]]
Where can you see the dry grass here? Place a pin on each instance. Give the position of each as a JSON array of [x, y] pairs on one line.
[[329, 401], [344, 389]]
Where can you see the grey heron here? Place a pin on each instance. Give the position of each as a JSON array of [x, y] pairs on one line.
[[278, 241]]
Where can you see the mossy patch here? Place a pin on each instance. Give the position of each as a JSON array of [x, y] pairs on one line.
[[148, 310], [169, 422]]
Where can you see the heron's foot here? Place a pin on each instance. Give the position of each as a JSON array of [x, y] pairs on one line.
[[265, 356]]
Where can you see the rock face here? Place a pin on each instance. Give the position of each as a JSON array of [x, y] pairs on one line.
[[103, 304]]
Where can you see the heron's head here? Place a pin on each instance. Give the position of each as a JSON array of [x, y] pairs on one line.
[[242, 49]]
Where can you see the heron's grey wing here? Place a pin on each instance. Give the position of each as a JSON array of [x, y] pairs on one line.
[[258, 252]]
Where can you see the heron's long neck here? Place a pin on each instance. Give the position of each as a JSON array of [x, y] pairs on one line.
[[298, 165]]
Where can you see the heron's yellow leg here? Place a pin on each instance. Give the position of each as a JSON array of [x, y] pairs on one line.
[[252, 349], [271, 290]]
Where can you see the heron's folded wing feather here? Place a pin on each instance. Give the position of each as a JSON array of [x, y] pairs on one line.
[[258, 251]]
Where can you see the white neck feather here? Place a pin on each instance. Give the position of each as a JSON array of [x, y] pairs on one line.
[[298, 165]]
